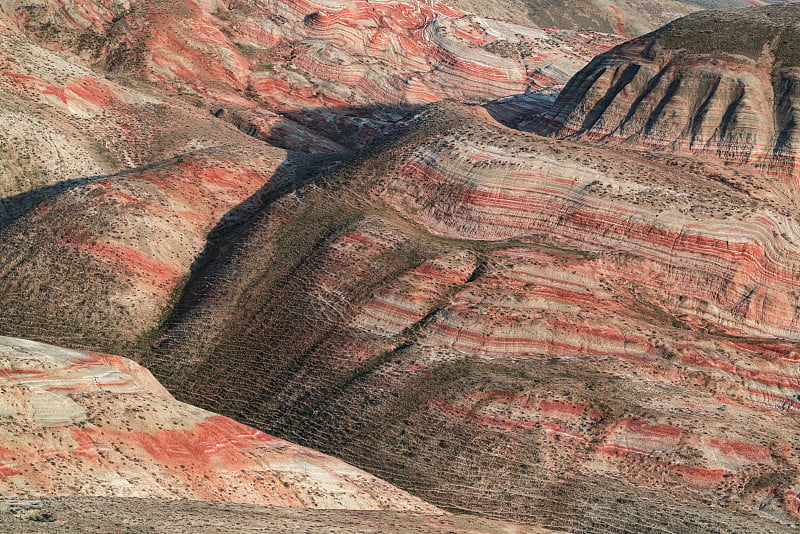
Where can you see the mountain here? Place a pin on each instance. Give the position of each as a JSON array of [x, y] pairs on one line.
[[317, 76], [516, 327], [78, 423], [166, 155], [302, 216], [722, 84], [111, 450]]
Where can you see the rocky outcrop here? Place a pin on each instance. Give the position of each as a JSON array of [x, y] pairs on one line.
[[77, 423], [721, 84]]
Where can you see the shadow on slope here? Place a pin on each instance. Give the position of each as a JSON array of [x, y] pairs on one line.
[[101, 263], [318, 130], [16, 206]]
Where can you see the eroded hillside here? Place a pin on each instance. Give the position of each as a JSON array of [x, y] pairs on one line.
[[317, 76], [78, 423], [592, 331], [719, 84], [515, 327]]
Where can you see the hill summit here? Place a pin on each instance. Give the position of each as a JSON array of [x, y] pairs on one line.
[[721, 83]]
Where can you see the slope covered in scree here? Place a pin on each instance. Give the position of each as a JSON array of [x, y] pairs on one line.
[[78, 515]]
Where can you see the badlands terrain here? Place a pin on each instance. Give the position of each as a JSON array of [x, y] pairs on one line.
[[517, 268], [86, 424]]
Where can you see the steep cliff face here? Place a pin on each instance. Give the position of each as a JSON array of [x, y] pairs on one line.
[[77, 423], [516, 326], [720, 84]]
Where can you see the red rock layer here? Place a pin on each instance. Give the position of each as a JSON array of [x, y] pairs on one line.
[[516, 326], [709, 251], [336, 63], [77, 423], [705, 85]]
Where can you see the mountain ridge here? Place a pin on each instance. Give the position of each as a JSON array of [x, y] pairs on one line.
[[712, 84]]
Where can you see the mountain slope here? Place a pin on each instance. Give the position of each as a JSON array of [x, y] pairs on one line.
[[573, 335], [147, 153], [98, 262], [515, 327], [627, 17], [722, 84], [77, 423], [330, 74]]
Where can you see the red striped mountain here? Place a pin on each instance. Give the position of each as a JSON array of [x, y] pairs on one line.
[[577, 336], [559, 334], [129, 172], [719, 84], [312, 75], [92, 442], [78, 423]]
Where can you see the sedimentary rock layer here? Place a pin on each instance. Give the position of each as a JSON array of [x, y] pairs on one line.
[[286, 66], [575, 336], [721, 84], [78, 423], [516, 326]]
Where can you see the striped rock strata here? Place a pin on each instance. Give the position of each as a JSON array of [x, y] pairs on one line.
[[77, 423], [720, 84], [64, 125], [519, 327], [286, 66], [99, 261], [104, 251]]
